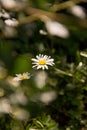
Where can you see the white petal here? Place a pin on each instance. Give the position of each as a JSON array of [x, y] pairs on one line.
[[16, 79], [46, 66], [38, 57], [33, 59], [50, 60], [45, 56], [49, 63], [43, 67], [26, 74], [18, 75], [34, 62], [38, 67], [34, 66]]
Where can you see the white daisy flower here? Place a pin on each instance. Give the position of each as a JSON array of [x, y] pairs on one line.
[[42, 61], [22, 76]]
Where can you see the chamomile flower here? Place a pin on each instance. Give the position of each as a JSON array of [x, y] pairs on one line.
[[42, 61], [22, 76]]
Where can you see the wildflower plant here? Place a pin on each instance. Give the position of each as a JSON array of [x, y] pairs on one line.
[[23, 76], [42, 61], [50, 100]]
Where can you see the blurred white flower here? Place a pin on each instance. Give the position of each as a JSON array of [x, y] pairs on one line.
[[47, 97], [22, 76], [20, 114], [55, 28], [78, 11], [4, 14], [13, 4], [40, 79], [11, 22], [42, 61], [8, 4], [18, 98], [5, 106]]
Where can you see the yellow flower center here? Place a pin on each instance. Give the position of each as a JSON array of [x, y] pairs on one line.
[[42, 62], [23, 77]]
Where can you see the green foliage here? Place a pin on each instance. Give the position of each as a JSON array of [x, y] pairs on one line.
[[43, 122]]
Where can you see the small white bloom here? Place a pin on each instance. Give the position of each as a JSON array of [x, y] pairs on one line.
[[78, 11], [42, 61], [47, 97], [56, 29], [22, 76], [40, 79], [11, 22]]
